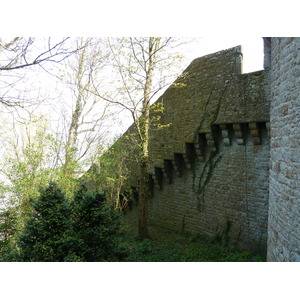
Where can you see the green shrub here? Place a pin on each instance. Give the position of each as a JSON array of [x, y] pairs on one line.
[[57, 230], [46, 233], [95, 226], [8, 228]]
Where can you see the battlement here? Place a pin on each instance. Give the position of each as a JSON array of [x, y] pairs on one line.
[[210, 91]]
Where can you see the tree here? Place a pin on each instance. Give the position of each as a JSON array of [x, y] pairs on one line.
[[46, 236], [84, 113], [8, 228], [35, 152], [19, 55], [29, 161], [84, 229], [95, 226], [144, 66], [26, 163], [110, 173]]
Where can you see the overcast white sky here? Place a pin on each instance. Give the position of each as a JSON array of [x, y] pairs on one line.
[[252, 48]]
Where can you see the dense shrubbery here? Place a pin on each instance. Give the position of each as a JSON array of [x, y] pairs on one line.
[[87, 229], [83, 229], [8, 229], [95, 226], [46, 236]]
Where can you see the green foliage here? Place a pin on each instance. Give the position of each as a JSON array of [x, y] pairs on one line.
[[170, 247], [26, 171], [46, 236], [113, 172], [31, 164], [95, 225], [57, 229], [8, 228]]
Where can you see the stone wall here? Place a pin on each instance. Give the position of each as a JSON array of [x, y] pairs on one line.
[[224, 196], [214, 169], [211, 90], [284, 212], [210, 153]]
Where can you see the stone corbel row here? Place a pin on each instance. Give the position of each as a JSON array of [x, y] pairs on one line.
[[205, 142], [254, 128]]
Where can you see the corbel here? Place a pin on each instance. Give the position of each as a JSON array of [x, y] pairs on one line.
[[268, 129], [238, 132], [210, 141], [200, 147], [225, 134], [254, 132]]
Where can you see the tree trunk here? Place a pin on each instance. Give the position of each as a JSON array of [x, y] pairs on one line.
[[143, 202], [144, 131]]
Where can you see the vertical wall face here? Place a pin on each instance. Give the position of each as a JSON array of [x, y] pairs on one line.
[[209, 153], [284, 210], [224, 194], [223, 197]]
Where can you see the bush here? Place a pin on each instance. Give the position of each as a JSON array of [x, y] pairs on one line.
[[57, 230], [46, 236], [95, 226], [8, 228]]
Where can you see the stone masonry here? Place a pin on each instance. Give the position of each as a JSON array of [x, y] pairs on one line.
[[284, 205], [225, 152], [224, 195]]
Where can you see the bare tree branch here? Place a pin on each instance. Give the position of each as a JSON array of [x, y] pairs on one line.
[[49, 55]]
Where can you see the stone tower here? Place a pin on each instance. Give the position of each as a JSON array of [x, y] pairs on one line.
[[284, 201]]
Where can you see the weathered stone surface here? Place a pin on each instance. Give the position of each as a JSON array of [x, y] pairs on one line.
[[230, 188], [217, 93], [216, 181], [284, 211], [221, 165]]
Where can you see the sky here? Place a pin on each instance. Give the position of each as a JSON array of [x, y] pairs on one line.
[[252, 48]]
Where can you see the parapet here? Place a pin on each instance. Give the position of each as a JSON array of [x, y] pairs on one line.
[[210, 91]]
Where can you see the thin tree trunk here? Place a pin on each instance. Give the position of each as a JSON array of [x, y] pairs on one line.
[[76, 114], [143, 202], [72, 135], [144, 129]]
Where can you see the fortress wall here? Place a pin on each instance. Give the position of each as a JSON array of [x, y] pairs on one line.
[[284, 213], [211, 90], [224, 197], [214, 169], [209, 162]]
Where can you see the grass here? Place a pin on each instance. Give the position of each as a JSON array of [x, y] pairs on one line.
[[167, 246]]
